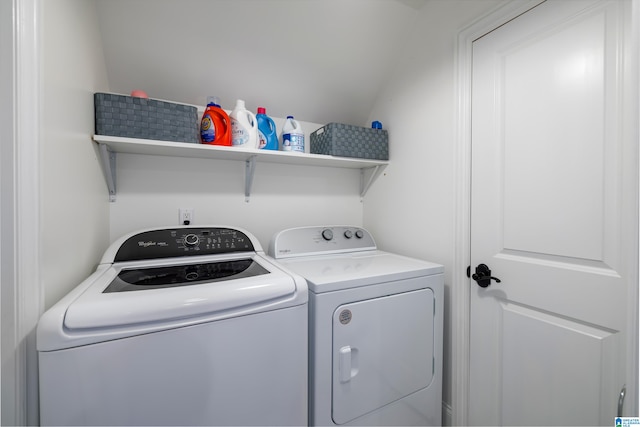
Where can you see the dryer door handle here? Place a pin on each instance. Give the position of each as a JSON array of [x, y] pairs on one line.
[[345, 364], [348, 363]]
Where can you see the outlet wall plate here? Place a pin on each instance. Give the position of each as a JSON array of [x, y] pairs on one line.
[[185, 216]]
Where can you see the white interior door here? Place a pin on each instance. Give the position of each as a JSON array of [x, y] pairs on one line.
[[553, 215]]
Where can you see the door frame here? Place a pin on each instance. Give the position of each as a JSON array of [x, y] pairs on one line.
[[460, 288], [21, 291]]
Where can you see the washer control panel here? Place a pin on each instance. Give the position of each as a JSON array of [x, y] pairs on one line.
[[166, 243], [305, 241]]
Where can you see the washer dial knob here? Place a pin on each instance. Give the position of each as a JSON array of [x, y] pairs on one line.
[[191, 240], [327, 234], [359, 234], [348, 234]]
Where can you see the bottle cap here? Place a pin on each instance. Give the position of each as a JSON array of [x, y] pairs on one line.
[[289, 117], [213, 100], [262, 110], [139, 93], [376, 125], [240, 104]]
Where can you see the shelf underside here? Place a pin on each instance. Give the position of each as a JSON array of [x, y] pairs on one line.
[[110, 145]]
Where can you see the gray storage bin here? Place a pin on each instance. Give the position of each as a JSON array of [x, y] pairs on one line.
[[132, 117], [337, 139]]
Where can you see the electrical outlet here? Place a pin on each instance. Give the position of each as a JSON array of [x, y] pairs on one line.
[[185, 216]]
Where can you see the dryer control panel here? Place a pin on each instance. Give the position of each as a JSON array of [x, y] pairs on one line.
[[186, 241], [305, 241]]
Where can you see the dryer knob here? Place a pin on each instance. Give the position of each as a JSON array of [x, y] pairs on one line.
[[327, 234], [359, 234], [191, 240], [348, 234]]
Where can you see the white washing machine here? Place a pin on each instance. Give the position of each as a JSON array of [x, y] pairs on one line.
[[375, 328], [179, 326]]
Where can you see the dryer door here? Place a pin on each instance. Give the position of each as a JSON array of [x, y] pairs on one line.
[[382, 352]]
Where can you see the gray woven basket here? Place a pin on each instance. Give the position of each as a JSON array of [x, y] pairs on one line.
[[337, 139], [132, 117]]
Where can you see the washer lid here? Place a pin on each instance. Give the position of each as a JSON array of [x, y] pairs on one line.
[[225, 297], [326, 273], [172, 276]]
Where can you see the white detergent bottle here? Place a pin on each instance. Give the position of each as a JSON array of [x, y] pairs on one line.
[[244, 127], [292, 136]]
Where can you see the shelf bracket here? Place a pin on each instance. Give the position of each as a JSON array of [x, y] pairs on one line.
[[249, 169], [365, 182], [109, 167]]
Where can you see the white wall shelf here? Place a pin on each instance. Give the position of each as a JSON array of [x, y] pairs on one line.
[[110, 145]]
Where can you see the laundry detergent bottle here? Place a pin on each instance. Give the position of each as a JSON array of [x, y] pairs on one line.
[[292, 136], [267, 136], [215, 126], [244, 127]]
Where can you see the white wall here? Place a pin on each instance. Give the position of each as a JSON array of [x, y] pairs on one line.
[[74, 205], [150, 189], [410, 209]]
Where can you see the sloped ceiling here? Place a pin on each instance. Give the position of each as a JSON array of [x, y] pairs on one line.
[[319, 60]]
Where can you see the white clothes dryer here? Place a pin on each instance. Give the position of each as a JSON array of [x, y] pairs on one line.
[[375, 328], [178, 326]]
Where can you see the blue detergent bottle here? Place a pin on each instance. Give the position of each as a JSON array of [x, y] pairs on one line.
[[267, 136]]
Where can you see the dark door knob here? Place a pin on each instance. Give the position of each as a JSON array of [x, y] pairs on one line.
[[483, 277]]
